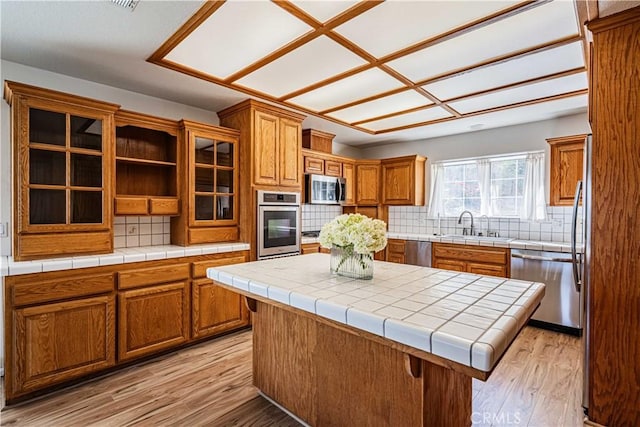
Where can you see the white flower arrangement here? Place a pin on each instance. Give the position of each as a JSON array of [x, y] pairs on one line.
[[355, 232]]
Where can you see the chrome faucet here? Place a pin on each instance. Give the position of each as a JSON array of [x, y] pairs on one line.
[[465, 230]]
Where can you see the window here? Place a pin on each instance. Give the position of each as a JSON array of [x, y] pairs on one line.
[[493, 186]]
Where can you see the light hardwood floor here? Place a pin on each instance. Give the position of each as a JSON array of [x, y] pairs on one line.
[[538, 383]]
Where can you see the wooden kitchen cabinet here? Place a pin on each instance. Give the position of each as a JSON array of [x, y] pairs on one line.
[[567, 159], [208, 166], [395, 251], [63, 164], [64, 325], [309, 248], [485, 260], [215, 310], [273, 141], [61, 341], [59, 326], [270, 156], [313, 165], [152, 318], [317, 140], [367, 182], [403, 180], [349, 175], [146, 165]]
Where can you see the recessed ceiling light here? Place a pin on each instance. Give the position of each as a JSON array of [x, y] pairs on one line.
[[127, 4]]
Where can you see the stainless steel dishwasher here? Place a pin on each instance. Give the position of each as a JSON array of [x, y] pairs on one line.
[[561, 307], [417, 253]]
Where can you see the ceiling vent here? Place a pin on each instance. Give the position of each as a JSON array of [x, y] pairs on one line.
[[127, 4]]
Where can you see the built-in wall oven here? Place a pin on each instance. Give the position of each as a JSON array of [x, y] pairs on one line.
[[278, 224]]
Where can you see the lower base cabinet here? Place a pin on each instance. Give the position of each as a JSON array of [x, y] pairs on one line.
[[485, 260], [229, 311], [64, 325], [152, 319], [60, 341]]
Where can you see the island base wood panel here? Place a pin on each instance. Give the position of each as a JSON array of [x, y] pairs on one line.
[[329, 376]]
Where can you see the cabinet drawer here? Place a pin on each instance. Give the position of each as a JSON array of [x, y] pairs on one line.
[[152, 275], [130, 206], [447, 264], [310, 248], [199, 268], [213, 235], [58, 289], [487, 269], [332, 168], [164, 206], [312, 165], [471, 253]]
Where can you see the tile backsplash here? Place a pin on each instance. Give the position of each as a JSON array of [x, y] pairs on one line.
[[413, 219], [135, 231], [315, 216]]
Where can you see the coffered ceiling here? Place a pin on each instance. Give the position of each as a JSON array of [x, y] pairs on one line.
[[387, 67]]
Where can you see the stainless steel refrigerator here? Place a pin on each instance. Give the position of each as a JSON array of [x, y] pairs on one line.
[[581, 263]]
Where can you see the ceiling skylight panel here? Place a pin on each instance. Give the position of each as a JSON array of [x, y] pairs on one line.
[[544, 63], [394, 25], [315, 61], [433, 113], [523, 93], [323, 11], [382, 106], [237, 35], [359, 86], [526, 114], [546, 23]]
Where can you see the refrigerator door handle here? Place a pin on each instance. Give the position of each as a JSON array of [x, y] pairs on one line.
[[575, 259], [338, 191]]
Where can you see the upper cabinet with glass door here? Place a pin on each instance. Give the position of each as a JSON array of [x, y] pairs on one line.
[[63, 162], [210, 211]]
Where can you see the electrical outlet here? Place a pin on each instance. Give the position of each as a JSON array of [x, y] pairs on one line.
[[132, 229], [4, 229]]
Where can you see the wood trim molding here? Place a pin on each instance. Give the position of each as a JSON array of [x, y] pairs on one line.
[[203, 127], [252, 103], [131, 118], [207, 9], [616, 20], [11, 88], [318, 28]]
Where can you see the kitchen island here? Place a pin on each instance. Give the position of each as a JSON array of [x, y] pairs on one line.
[[398, 350]]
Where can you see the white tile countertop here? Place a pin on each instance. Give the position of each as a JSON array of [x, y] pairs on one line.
[[466, 318], [501, 242], [9, 267]]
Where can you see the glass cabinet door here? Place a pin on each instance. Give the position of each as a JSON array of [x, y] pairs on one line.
[[65, 179], [215, 180]]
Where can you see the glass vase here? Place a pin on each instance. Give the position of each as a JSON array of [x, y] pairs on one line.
[[346, 262]]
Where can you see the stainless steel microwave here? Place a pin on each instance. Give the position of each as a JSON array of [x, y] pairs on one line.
[[325, 190]]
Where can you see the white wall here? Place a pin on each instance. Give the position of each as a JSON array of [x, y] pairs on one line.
[[511, 139]]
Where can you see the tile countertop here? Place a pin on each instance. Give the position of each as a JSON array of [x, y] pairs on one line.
[[501, 242], [467, 318], [9, 267]]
